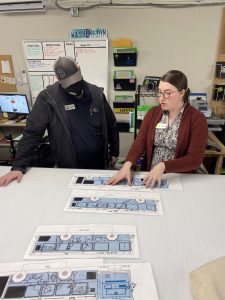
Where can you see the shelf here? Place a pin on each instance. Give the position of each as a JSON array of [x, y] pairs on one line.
[[218, 106], [11, 123]]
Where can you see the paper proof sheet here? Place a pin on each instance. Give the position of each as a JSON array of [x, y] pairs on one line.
[[83, 241], [77, 279], [114, 202]]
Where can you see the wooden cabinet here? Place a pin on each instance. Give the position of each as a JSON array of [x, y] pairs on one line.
[[218, 88]]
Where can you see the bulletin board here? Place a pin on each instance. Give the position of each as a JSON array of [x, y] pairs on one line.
[[91, 56], [7, 77]]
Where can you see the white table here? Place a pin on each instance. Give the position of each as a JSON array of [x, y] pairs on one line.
[[189, 234]]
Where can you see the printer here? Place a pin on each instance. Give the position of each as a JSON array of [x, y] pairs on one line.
[[199, 101]]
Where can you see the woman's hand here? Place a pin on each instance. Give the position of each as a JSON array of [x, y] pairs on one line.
[[123, 173], [8, 177], [155, 175]]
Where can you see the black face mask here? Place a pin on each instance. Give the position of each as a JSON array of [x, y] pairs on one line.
[[76, 89]]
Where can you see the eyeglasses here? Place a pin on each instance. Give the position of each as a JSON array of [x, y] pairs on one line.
[[166, 94]]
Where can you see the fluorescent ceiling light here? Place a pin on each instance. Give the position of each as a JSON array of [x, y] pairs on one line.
[[21, 6]]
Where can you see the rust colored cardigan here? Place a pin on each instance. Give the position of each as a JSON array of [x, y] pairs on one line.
[[191, 140]]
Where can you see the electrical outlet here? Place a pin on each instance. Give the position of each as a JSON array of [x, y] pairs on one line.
[[24, 76], [74, 12]]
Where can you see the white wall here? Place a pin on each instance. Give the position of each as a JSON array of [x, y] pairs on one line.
[[185, 39]]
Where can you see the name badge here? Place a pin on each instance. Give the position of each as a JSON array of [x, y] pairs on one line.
[[70, 107], [161, 126]]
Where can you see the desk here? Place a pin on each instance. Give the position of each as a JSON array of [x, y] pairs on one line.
[[8, 127], [213, 153], [187, 235], [12, 126]]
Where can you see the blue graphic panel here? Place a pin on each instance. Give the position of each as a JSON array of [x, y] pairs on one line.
[[115, 286], [115, 203], [82, 242], [92, 284], [102, 180]]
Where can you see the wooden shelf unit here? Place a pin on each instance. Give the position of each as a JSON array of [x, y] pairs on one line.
[[218, 106]]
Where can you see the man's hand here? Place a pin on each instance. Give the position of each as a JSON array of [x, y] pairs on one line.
[[8, 177], [155, 175], [123, 173]]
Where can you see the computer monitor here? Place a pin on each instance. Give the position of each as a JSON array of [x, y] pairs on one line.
[[15, 104]]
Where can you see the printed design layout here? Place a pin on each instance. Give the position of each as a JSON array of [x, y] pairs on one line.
[[81, 241], [114, 202], [77, 280], [96, 181]]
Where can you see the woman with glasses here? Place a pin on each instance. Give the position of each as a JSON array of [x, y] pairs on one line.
[[173, 135]]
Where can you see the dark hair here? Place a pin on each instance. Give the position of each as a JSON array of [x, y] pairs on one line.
[[179, 80]]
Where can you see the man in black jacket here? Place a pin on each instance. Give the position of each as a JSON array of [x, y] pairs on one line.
[[81, 126]]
